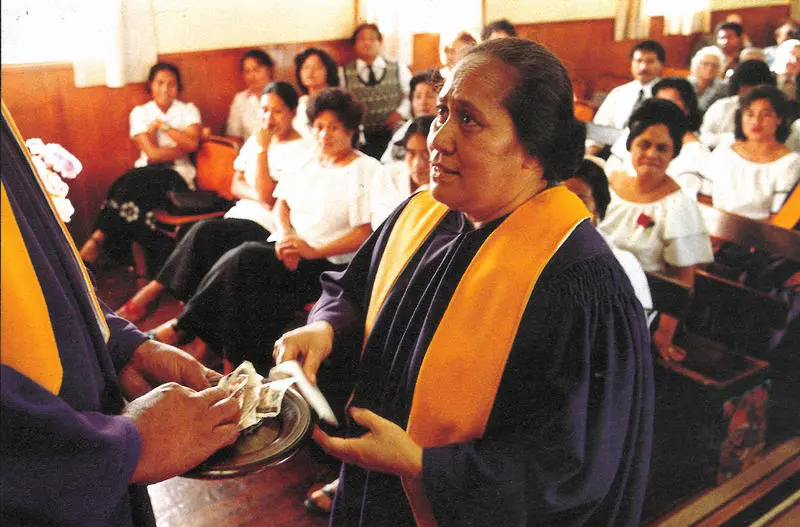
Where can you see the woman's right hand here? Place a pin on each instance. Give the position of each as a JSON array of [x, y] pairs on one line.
[[309, 345], [264, 136]]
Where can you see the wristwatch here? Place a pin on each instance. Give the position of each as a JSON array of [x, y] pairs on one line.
[[165, 127]]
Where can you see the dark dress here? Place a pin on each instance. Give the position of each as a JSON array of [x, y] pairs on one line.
[[568, 439], [127, 212], [248, 299], [201, 247]]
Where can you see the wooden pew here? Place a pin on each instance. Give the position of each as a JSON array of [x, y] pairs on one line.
[[750, 233], [723, 327]]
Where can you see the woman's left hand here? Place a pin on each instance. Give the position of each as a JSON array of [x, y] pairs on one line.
[[154, 364], [297, 245], [384, 448]]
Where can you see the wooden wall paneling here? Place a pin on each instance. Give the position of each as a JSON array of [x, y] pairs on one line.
[[426, 52], [92, 122]]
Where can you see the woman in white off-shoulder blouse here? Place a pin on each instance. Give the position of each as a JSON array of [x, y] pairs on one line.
[[649, 215], [753, 176]]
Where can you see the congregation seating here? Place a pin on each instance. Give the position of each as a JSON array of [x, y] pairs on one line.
[[729, 398]]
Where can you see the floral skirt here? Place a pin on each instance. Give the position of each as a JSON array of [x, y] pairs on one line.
[[127, 213]]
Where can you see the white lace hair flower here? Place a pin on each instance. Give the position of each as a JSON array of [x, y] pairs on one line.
[[53, 162]]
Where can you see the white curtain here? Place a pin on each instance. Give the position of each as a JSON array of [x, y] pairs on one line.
[[399, 20], [121, 46], [631, 20], [686, 17]]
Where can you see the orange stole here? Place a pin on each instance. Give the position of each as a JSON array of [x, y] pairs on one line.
[[28, 344], [469, 349], [789, 215]]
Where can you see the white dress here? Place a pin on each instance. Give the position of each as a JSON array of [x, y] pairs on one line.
[[669, 230], [300, 121], [719, 122], [633, 269], [392, 149], [244, 118], [754, 190], [180, 115], [326, 203], [284, 158], [390, 187], [687, 169]]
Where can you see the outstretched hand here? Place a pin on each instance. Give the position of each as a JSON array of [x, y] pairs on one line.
[[154, 363], [384, 448], [309, 345]]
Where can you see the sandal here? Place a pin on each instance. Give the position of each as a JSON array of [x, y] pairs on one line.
[[328, 492]]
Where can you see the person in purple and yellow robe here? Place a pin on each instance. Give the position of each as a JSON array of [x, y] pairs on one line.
[[502, 362], [72, 450]]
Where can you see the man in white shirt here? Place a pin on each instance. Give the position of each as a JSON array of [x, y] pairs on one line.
[[647, 61], [382, 85]]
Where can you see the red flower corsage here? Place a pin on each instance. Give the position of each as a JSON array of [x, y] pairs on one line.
[[645, 221]]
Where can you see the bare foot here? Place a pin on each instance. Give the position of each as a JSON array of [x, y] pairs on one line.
[[142, 303], [91, 250]]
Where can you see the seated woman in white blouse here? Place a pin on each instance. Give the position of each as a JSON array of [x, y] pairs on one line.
[[257, 69], [687, 168], [166, 130], [649, 215], [753, 176], [247, 299]]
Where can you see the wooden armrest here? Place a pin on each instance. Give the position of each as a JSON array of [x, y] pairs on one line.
[[163, 216]]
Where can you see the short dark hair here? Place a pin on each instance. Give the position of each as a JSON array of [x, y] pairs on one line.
[[163, 66], [651, 112], [285, 91], [420, 125], [344, 104], [540, 104], [432, 77], [362, 27], [750, 73], [595, 178], [332, 69], [733, 26], [688, 95], [498, 25], [651, 46], [260, 56], [778, 102]]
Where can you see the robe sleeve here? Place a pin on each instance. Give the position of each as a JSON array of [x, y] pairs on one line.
[[60, 466], [565, 440], [125, 338]]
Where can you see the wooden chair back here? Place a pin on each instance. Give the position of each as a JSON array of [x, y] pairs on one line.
[[584, 110], [214, 161]]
